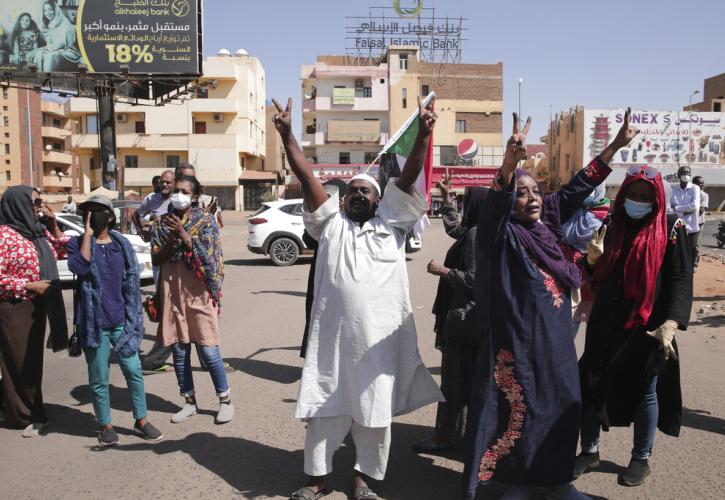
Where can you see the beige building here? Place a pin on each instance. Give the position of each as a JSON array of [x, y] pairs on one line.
[[713, 98], [350, 109], [34, 142], [222, 131], [566, 146]]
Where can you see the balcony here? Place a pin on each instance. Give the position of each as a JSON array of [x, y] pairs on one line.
[[141, 176], [316, 139], [53, 181], [212, 105], [60, 134], [84, 141], [201, 141], [359, 131], [379, 103], [55, 108], [58, 157], [166, 142], [309, 106]]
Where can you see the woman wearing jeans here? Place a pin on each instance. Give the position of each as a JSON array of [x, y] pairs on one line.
[[187, 247], [108, 313], [630, 372]]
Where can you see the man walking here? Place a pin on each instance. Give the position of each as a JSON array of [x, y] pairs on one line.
[[704, 203], [362, 366], [154, 205], [686, 204]]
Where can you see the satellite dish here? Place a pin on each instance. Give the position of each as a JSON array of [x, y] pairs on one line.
[[241, 52], [224, 52]]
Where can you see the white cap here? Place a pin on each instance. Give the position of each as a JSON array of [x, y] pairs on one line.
[[371, 180]]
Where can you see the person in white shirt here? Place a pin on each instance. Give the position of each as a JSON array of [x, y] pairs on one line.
[[704, 198], [362, 365], [686, 204], [70, 207]]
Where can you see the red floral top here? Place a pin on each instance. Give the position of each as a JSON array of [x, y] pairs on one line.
[[19, 262]]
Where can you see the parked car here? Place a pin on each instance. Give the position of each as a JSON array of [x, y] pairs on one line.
[[72, 224], [276, 230]]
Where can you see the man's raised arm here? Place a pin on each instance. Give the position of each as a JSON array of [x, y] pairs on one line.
[[312, 190], [414, 164]]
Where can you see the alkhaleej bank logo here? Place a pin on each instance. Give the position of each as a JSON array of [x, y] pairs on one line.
[[408, 11]]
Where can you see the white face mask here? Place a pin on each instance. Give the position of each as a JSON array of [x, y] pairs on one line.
[[180, 201], [685, 178]]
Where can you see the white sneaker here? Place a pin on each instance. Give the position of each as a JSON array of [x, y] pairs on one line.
[[35, 429], [184, 414], [226, 413]]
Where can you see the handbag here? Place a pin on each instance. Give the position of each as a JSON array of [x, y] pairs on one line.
[[74, 345], [461, 325]]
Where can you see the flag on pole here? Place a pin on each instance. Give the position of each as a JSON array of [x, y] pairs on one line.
[[401, 144]]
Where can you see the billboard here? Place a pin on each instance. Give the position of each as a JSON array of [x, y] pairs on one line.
[[666, 138], [100, 36]]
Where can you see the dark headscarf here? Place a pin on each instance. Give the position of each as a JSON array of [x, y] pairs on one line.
[[540, 241], [472, 202], [16, 211]]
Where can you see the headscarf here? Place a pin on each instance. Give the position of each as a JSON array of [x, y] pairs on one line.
[[539, 239], [16, 211], [472, 202], [579, 230], [206, 250], [645, 255]]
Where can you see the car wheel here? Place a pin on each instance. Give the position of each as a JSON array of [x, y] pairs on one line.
[[284, 252]]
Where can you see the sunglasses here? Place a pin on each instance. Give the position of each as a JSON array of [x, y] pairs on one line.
[[649, 172]]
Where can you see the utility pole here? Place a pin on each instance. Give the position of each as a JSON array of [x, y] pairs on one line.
[[111, 179]]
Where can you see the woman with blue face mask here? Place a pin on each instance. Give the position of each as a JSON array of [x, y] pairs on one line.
[[187, 247], [630, 371]]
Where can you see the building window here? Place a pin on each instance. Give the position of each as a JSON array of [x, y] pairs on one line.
[[426, 90], [56, 123], [172, 161], [91, 124], [370, 157], [7, 173], [200, 127], [7, 149], [6, 121], [5, 108], [461, 126], [57, 146], [140, 127], [403, 62], [405, 98], [382, 81], [449, 155], [367, 92], [5, 93], [131, 161], [344, 158], [716, 107], [92, 164]]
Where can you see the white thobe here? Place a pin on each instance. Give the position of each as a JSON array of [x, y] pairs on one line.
[[362, 358], [686, 204]]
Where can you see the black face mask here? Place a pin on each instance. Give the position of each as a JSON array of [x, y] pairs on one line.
[[99, 220]]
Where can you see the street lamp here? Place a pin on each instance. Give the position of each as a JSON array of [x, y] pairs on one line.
[[521, 80], [690, 147]]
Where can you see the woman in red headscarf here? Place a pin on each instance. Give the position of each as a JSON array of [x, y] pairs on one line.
[[643, 282]]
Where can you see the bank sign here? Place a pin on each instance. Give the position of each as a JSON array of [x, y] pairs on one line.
[[666, 138], [100, 36]]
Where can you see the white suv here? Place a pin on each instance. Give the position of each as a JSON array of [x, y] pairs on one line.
[[276, 230]]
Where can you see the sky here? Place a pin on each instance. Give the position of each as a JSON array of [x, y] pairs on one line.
[[647, 54]]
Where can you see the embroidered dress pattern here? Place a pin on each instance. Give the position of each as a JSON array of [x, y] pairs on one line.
[[553, 288], [673, 234], [597, 171], [506, 381]]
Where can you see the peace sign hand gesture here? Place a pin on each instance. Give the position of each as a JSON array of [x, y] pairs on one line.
[[283, 119], [427, 117], [516, 145], [595, 247], [626, 132]]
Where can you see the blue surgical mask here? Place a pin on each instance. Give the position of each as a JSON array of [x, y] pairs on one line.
[[637, 209]]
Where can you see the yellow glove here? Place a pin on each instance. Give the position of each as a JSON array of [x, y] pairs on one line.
[[595, 248], [666, 334]]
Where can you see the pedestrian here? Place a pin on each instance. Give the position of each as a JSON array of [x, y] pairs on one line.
[[187, 247], [524, 416], [686, 204], [704, 205], [630, 371], [156, 183], [154, 206], [457, 331], [362, 366], [206, 202], [28, 279], [70, 206], [109, 314]]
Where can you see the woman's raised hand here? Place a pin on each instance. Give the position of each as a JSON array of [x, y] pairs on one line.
[[516, 145]]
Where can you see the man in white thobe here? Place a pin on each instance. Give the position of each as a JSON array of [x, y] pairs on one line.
[[362, 365], [686, 204]]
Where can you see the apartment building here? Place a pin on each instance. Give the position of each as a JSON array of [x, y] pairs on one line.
[[713, 97], [221, 130], [60, 167]]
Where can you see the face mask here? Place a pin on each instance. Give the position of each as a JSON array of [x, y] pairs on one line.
[[685, 178], [180, 201], [637, 209], [99, 221]]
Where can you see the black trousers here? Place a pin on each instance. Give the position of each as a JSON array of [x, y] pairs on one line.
[[694, 247]]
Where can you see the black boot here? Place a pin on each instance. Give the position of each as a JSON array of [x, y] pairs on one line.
[[585, 462], [635, 474]]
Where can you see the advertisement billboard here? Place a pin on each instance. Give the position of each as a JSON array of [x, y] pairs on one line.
[[100, 36], [666, 138]]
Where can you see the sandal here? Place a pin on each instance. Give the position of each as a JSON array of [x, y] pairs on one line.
[[306, 493], [364, 493], [429, 445]]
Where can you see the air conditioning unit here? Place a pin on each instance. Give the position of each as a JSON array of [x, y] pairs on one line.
[[122, 117], [218, 117]]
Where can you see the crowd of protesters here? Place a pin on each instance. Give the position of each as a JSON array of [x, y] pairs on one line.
[[525, 271]]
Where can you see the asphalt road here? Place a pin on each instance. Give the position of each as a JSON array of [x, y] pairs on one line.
[[708, 242], [259, 454]]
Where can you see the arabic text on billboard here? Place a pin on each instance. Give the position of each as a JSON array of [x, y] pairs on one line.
[[664, 137], [147, 36]]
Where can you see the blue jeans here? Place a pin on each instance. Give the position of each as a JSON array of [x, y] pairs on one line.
[[98, 368], [645, 425], [212, 358]]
